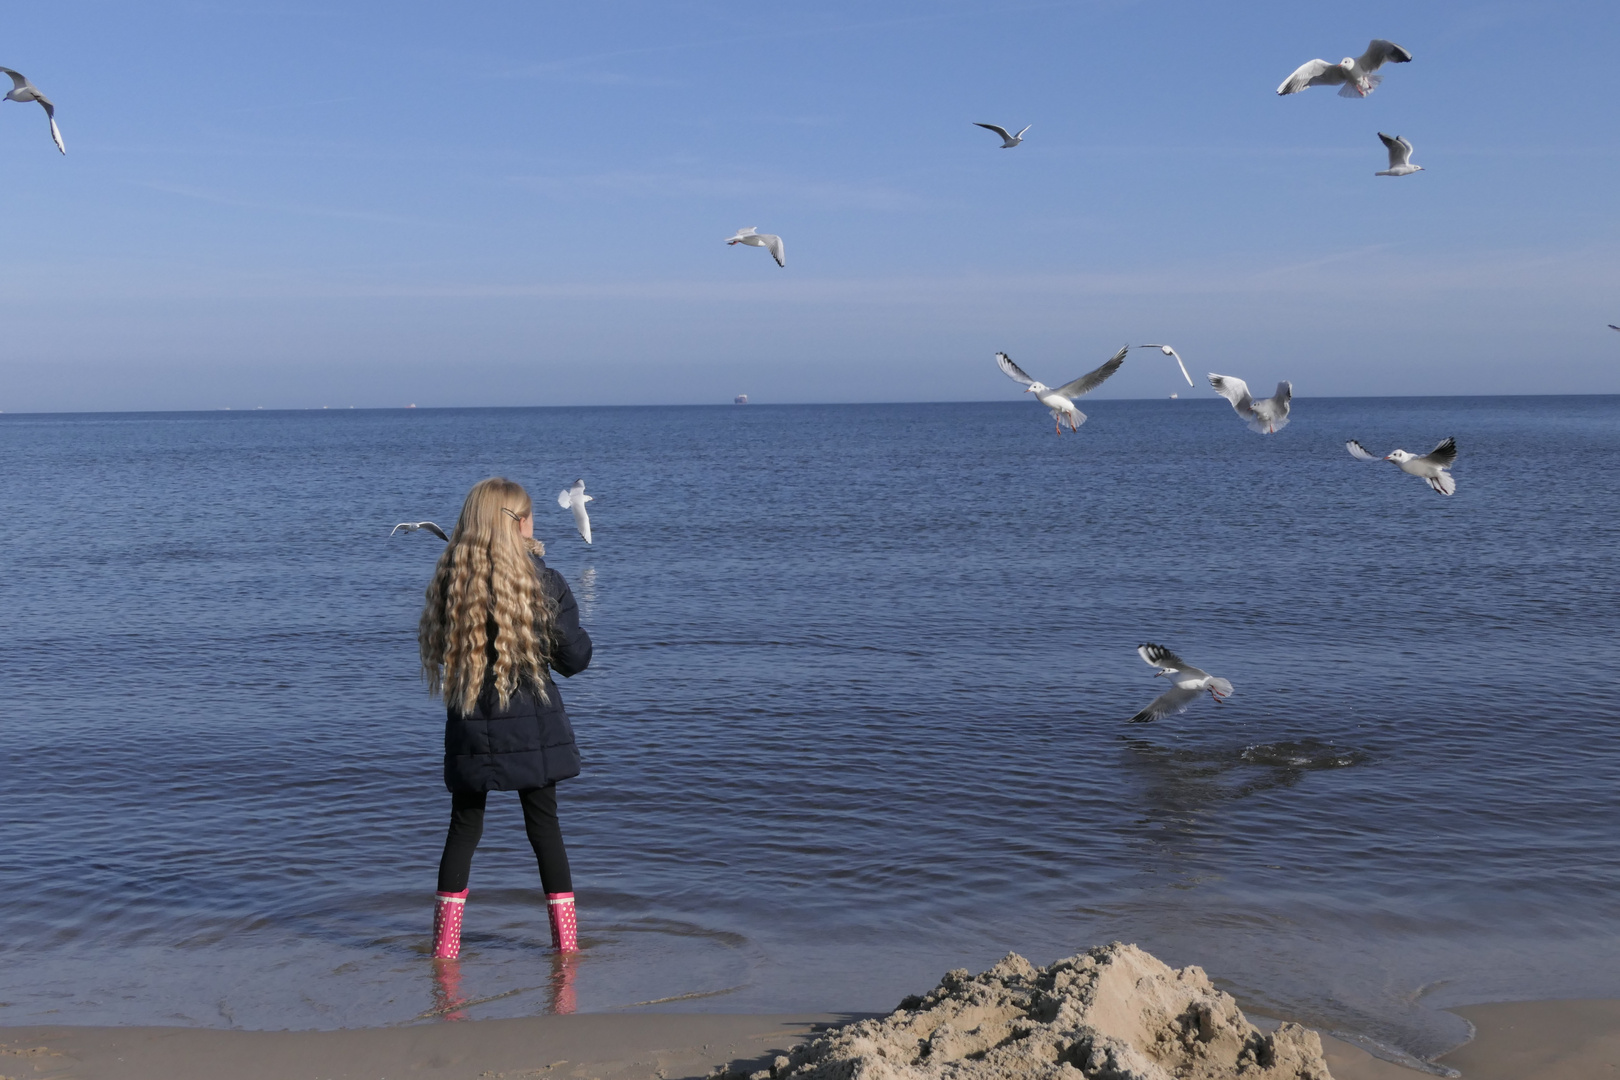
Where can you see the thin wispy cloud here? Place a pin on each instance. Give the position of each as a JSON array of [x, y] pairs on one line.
[[663, 186], [294, 209]]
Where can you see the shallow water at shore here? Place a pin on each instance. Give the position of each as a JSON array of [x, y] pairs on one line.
[[855, 716]]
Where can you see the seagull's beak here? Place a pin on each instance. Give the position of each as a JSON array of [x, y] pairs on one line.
[[1029, 389]]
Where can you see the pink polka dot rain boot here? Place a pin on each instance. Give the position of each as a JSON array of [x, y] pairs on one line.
[[447, 909], [564, 926]]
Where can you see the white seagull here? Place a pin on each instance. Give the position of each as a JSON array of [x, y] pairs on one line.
[[1168, 351], [23, 90], [574, 499], [412, 526], [1059, 400], [1435, 466], [1400, 157], [1008, 139], [754, 238], [1187, 682], [1353, 75], [1265, 416]]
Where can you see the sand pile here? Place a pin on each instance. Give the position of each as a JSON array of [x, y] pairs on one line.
[[1113, 1013]]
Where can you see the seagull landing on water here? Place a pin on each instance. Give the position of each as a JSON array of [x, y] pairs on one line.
[[1353, 75], [23, 90], [1435, 466], [1059, 400], [1400, 157], [754, 238], [574, 499], [1265, 416], [1168, 351], [412, 526], [1187, 682], [1008, 140]]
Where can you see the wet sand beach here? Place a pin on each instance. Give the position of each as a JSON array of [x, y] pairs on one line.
[[1547, 1040]]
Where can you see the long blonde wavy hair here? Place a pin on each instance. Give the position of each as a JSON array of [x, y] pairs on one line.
[[485, 580]]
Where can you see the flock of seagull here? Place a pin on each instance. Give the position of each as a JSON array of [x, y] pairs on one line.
[[1356, 78]]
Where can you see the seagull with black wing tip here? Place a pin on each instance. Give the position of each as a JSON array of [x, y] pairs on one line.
[[574, 499], [25, 91], [1008, 139], [1400, 157], [1187, 682], [754, 238], [1168, 351], [412, 526], [1265, 416], [1435, 466], [1059, 400], [1353, 75]]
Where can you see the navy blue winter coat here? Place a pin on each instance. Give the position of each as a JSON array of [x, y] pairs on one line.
[[529, 743]]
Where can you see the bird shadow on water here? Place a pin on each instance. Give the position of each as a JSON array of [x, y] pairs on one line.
[[1179, 782]]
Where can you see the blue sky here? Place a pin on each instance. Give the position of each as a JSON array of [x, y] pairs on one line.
[[289, 205]]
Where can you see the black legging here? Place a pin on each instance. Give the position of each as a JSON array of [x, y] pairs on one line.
[[539, 821]]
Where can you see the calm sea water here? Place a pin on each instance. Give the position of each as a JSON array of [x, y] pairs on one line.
[[855, 716]]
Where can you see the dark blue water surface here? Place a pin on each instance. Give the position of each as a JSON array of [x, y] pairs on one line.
[[855, 715]]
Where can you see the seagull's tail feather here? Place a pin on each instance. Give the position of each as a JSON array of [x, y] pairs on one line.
[[1443, 483], [1351, 90], [564, 499], [1221, 687], [1261, 426]]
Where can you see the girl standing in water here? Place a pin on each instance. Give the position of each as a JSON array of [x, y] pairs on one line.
[[497, 623]]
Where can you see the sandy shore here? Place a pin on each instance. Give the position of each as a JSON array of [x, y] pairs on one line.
[[1547, 1040]]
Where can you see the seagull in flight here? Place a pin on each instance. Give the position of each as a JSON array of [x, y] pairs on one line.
[[1059, 400], [1008, 140], [1353, 75], [754, 238], [574, 499], [412, 526], [23, 90], [1435, 466], [1187, 682], [1400, 157], [1613, 327], [1267, 416], [1168, 351]]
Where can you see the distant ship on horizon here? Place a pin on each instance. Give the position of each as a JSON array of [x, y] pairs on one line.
[[740, 399]]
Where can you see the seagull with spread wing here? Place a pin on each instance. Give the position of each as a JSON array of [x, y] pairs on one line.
[[412, 526], [1060, 400], [25, 91], [1353, 75], [1265, 416], [1435, 466], [754, 238], [574, 499], [1008, 140], [1186, 683], [1168, 351], [1400, 157]]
